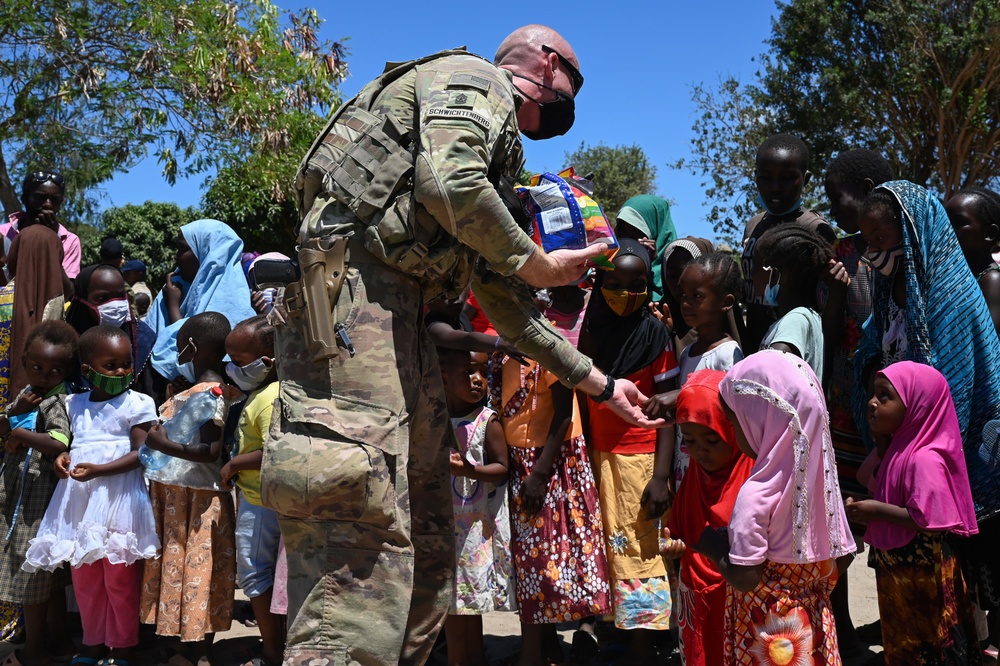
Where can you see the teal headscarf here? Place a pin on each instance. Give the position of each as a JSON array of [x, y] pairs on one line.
[[651, 215], [219, 286]]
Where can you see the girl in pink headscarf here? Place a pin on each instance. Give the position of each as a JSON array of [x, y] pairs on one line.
[[788, 539], [921, 496]]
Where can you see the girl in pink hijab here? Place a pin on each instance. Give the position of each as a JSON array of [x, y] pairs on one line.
[[788, 539], [921, 498]]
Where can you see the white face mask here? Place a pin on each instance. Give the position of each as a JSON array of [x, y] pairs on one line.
[[187, 369], [115, 312], [249, 377]]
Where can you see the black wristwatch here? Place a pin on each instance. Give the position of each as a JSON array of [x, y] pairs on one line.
[[608, 391]]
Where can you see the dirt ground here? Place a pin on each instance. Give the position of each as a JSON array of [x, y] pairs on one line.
[[502, 630]]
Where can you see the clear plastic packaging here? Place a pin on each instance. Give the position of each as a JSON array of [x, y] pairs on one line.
[[183, 426]]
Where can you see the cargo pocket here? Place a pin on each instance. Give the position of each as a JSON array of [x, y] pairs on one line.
[[334, 460]]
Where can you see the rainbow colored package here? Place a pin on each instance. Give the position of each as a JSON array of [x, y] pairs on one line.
[[566, 215]]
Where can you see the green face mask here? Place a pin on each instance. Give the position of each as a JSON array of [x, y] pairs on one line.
[[112, 385]]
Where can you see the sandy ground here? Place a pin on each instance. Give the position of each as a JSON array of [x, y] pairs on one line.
[[502, 629]]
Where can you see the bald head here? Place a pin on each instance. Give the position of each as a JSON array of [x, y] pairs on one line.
[[547, 78], [522, 51]]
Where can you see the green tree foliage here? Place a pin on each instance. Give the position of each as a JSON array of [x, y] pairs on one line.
[[724, 148], [255, 197], [619, 173], [93, 86], [918, 80], [148, 232]]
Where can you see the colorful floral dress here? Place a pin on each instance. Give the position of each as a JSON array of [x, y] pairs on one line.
[[559, 562], [786, 620], [925, 608], [483, 575]]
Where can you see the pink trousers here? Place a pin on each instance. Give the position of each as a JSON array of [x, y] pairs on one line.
[[108, 596]]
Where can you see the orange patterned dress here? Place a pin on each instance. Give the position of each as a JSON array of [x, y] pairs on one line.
[[787, 619], [188, 591]]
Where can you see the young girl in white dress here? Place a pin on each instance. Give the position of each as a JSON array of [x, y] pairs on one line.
[[100, 519]]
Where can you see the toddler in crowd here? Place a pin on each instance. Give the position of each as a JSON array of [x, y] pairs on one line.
[[100, 520], [258, 537], [781, 173], [634, 464], [921, 496], [710, 287], [188, 591], [792, 261], [787, 540], [704, 499], [35, 428], [482, 527]]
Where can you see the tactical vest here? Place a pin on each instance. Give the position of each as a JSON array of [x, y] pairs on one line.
[[365, 161]]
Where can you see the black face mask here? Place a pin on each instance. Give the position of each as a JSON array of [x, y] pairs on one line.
[[555, 117]]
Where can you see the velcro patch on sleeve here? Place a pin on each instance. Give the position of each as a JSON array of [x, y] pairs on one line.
[[466, 80], [462, 99], [460, 114]]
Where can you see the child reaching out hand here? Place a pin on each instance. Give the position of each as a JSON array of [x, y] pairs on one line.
[[100, 520], [482, 531], [921, 496], [40, 434], [710, 287], [634, 464], [704, 499]]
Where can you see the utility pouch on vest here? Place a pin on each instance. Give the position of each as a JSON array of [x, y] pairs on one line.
[[309, 301], [363, 162]]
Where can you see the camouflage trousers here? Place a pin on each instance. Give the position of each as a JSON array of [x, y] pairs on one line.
[[356, 466]]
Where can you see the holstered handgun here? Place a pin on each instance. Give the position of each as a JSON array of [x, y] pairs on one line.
[[309, 300]]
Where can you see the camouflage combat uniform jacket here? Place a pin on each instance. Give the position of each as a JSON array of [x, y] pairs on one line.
[[356, 464]]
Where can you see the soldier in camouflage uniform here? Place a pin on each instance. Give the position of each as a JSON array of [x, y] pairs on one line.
[[356, 464]]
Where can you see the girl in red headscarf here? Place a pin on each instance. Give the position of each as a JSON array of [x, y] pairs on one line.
[[704, 499]]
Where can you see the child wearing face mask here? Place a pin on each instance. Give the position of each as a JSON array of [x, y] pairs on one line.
[[258, 538], [99, 519], [633, 465], [188, 592], [792, 261], [101, 297]]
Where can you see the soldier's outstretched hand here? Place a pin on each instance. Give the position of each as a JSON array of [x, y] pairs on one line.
[[559, 267], [627, 402]]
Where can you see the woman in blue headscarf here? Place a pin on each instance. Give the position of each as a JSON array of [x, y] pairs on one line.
[[928, 308], [209, 278]]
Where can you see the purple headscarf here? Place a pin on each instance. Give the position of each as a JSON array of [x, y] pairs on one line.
[[924, 468]]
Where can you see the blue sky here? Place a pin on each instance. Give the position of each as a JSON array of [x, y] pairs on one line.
[[640, 60]]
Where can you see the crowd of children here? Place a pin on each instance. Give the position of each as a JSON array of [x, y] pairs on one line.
[[816, 394], [734, 533]]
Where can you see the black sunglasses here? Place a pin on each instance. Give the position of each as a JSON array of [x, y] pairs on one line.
[[38, 177], [574, 74]]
